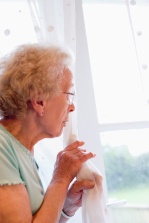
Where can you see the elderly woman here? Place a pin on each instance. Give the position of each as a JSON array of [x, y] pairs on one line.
[[35, 101]]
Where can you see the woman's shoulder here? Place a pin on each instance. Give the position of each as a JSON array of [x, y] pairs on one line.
[[5, 140]]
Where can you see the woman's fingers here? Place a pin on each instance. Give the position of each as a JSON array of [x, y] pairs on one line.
[[69, 161], [81, 153], [74, 145], [74, 196], [77, 151], [78, 186]]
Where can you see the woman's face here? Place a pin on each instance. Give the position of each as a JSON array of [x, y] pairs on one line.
[[56, 110]]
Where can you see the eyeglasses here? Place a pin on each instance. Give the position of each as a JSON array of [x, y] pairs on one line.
[[70, 96]]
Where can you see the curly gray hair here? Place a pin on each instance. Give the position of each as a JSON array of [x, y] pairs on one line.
[[31, 71]]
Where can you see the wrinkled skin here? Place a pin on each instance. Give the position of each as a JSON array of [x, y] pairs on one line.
[[68, 164]]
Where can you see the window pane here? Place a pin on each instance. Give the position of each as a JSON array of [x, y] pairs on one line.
[[117, 80], [126, 156], [120, 80]]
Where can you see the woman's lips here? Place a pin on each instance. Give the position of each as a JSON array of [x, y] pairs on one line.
[[65, 122]]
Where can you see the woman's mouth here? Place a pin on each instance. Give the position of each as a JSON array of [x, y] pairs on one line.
[[65, 122]]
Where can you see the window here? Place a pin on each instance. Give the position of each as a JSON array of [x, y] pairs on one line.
[[117, 35]]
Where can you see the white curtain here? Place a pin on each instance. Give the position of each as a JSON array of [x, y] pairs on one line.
[[94, 208], [54, 21]]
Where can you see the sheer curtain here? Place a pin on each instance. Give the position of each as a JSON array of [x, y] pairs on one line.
[[54, 21]]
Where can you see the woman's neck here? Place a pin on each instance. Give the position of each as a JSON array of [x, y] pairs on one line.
[[23, 130]]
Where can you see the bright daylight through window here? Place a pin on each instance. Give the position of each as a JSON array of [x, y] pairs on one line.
[[118, 42], [117, 35]]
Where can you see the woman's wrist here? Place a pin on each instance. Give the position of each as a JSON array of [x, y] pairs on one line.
[[66, 215]]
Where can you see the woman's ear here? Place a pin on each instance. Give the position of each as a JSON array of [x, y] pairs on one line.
[[38, 106]]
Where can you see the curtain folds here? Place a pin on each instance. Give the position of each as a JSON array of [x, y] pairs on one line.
[[94, 207], [54, 22]]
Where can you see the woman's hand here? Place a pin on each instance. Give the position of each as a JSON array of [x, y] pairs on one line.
[[70, 160], [74, 196], [68, 163]]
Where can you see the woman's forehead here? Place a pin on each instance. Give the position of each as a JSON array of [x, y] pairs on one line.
[[68, 78], [68, 72]]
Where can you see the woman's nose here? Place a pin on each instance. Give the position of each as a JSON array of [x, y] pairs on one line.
[[71, 107]]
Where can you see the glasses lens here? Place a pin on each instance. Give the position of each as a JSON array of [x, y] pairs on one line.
[[71, 97]]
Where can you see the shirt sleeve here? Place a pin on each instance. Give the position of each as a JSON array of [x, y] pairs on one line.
[[9, 168]]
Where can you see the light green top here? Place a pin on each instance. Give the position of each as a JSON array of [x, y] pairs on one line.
[[17, 166]]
